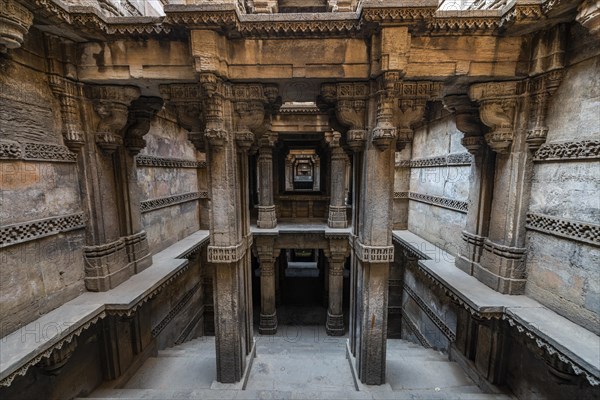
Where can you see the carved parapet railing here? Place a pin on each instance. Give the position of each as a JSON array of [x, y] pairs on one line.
[[111, 104]]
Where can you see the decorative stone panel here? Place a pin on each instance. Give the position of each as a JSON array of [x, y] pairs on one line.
[[581, 150], [23, 232], [155, 204], [564, 228], [10, 150], [163, 162], [373, 254]]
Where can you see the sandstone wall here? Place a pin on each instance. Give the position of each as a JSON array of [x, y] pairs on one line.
[[562, 272], [168, 186], [436, 182], [40, 201]]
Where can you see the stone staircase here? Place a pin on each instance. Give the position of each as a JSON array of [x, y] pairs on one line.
[[298, 363]]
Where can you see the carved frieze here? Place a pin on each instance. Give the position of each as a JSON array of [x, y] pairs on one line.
[[458, 159], [226, 254], [373, 254], [155, 204], [565, 151], [33, 230], [163, 162], [442, 326], [10, 150], [185, 299]]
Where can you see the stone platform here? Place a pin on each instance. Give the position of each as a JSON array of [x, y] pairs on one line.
[[299, 362]]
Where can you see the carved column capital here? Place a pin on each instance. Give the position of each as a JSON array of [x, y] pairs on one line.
[[111, 105], [15, 21], [186, 101], [141, 113], [266, 142], [214, 91], [497, 106], [349, 100]]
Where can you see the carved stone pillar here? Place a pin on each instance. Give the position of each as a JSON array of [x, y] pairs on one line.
[[141, 113], [336, 255], [113, 247], [373, 247], [15, 20], [515, 113], [266, 208], [339, 161], [481, 182], [267, 257], [228, 246]]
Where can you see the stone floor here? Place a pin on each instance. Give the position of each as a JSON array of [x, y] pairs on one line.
[[300, 362]]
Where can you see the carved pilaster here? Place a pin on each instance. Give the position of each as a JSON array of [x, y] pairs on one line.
[[385, 131], [60, 60], [111, 105], [498, 102], [186, 100], [140, 116], [15, 20]]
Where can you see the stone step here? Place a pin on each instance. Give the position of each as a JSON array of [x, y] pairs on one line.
[[207, 394]]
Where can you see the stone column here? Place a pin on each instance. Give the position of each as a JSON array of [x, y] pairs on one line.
[[339, 160], [227, 248], [266, 209], [336, 255], [467, 120], [267, 256]]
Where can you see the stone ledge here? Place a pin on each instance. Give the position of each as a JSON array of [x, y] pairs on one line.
[[573, 344], [289, 228], [35, 341]]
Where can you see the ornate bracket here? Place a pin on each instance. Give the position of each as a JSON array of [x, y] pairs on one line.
[[498, 102], [250, 104], [350, 101], [466, 116], [111, 105], [186, 101], [141, 113], [15, 20]]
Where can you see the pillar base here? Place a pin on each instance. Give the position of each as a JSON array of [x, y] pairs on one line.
[[267, 218], [335, 325], [267, 324], [337, 217]]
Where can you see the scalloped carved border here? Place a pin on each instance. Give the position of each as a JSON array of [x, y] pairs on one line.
[[445, 329], [161, 202], [175, 310], [10, 150], [444, 202], [564, 228], [458, 159], [33, 230], [164, 162]]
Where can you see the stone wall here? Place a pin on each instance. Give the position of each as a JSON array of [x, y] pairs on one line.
[[562, 268], [41, 216], [439, 183], [168, 176]]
